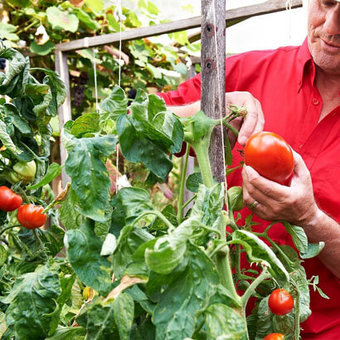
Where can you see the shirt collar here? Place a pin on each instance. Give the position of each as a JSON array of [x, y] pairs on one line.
[[305, 64]]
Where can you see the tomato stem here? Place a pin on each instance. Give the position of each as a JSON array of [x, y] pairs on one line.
[[184, 166], [156, 213], [8, 228], [251, 289]]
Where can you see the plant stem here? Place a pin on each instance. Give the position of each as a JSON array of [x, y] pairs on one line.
[[8, 228], [224, 270], [180, 206], [189, 200], [202, 155], [251, 289], [156, 213]]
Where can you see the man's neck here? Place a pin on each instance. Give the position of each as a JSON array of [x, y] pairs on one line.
[[329, 88]]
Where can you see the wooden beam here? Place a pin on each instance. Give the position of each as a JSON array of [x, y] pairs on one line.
[[231, 16], [64, 111], [213, 76]]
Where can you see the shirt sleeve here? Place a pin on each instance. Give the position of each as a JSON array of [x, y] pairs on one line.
[[186, 93]]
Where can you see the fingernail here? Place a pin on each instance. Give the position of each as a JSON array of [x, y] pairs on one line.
[[242, 140]]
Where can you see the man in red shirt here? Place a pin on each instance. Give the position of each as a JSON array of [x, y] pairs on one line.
[[299, 92]]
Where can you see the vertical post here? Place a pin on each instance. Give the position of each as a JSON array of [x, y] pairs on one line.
[[213, 75], [64, 111]]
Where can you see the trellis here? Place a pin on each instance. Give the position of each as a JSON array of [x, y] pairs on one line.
[[210, 95]]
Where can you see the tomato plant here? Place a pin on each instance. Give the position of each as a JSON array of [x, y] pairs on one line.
[[274, 336], [270, 155], [280, 302], [147, 265], [31, 216], [9, 200]]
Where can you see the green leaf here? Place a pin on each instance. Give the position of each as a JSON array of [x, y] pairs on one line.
[[128, 204], [116, 102], [44, 49], [86, 125], [12, 83], [148, 6], [95, 6], [98, 320], [137, 147], [168, 251], [62, 20], [53, 171], [175, 313], [298, 235], [90, 179], [130, 239], [224, 322], [12, 112], [69, 215], [123, 308], [259, 252], [83, 249], [193, 181], [7, 32], [86, 19], [32, 303], [68, 333], [312, 250], [180, 37]]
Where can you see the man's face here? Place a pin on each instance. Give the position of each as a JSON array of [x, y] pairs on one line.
[[324, 34]]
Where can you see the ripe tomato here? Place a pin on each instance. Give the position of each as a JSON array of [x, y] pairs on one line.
[[9, 200], [31, 216], [280, 302], [274, 336], [270, 155]]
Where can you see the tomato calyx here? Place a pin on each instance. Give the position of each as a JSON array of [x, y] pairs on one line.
[[9, 200], [31, 216], [280, 302]]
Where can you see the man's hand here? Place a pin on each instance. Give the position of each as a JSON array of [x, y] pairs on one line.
[[294, 203], [252, 123], [254, 120]]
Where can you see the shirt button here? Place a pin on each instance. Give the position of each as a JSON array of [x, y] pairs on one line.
[[315, 101]]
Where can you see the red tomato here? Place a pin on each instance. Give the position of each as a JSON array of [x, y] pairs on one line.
[[280, 302], [270, 155], [274, 336], [9, 200], [31, 216]]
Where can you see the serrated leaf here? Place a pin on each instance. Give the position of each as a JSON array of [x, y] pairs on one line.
[[32, 303], [90, 179], [83, 249], [259, 252], [225, 323], [174, 315]]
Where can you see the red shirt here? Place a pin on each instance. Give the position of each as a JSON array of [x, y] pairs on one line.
[[283, 81]]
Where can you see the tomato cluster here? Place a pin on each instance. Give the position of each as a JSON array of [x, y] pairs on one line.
[[29, 215], [270, 155]]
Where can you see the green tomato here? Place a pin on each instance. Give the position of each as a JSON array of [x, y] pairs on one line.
[[25, 171], [235, 195]]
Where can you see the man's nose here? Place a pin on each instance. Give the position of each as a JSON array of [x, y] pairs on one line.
[[332, 22]]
